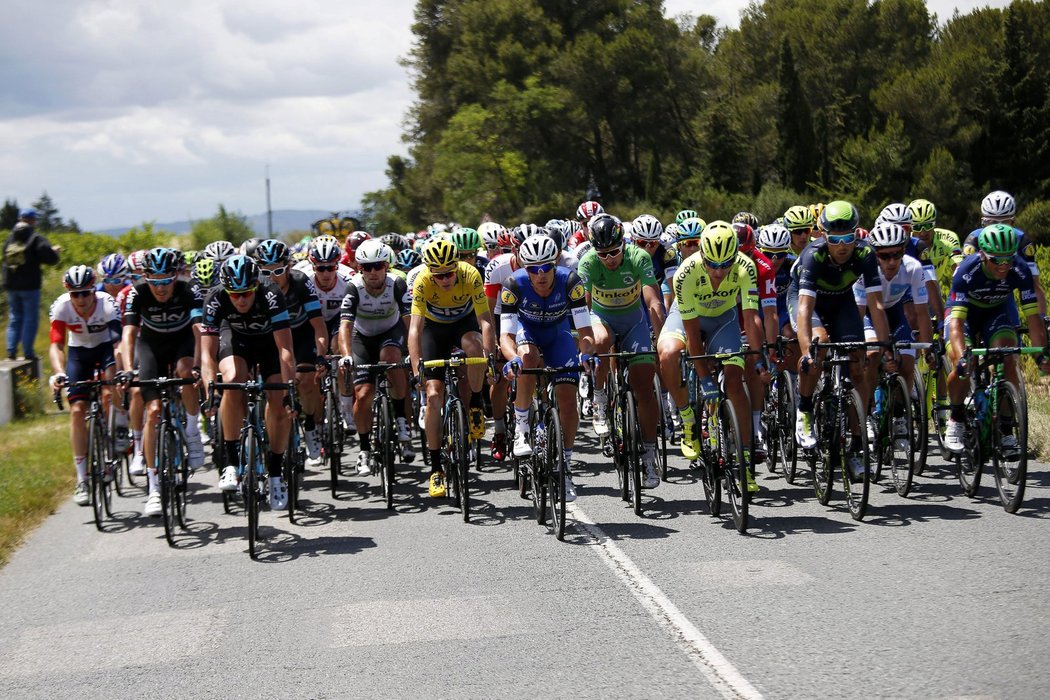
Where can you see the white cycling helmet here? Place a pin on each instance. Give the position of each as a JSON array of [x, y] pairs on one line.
[[538, 249], [774, 237], [373, 251], [325, 249], [219, 250], [887, 235], [490, 233], [998, 205], [647, 228], [670, 234], [896, 213]]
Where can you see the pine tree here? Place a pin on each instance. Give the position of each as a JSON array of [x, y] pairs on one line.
[[796, 152]]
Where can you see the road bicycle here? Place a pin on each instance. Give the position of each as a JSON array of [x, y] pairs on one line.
[[333, 433], [898, 434], [778, 416], [624, 441], [383, 437]]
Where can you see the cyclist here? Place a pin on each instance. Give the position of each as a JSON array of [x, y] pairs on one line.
[[353, 241], [1000, 208], [820, 299], [672, 341], [945, 249], [113, 271], [981, 309], [449, 310], [406, 260], [626, 309], [534, 332], [647, 231], [310, 334], [468, 243], [246, 324], [90, 319], [374, 317], [161, 331], [489, 232], [709, 288], [219, 251], [898, 213], [799, 222]]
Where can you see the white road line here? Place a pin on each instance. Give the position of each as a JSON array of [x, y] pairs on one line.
[[722, 674]]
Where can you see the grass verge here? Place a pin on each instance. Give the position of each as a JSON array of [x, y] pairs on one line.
[[36, 473]]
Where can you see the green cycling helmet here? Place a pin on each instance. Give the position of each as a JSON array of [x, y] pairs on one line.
[[691, 228], [839, 217], [467, 239], [204, 271], [997, 240], [686, 214]]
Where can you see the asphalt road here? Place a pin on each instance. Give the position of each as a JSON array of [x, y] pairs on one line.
[[937, 595]]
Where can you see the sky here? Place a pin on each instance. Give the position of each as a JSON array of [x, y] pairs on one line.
[[127, 111]]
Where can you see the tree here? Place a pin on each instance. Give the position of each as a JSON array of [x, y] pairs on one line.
[[224, 226], [797, 144], [47, 218], [8, 215]]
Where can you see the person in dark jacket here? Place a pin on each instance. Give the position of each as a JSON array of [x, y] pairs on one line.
[[24, 252]]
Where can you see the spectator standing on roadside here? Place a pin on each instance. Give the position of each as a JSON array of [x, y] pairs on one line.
[[24, 252]]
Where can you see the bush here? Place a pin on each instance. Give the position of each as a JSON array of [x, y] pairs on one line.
[[1034, 220]]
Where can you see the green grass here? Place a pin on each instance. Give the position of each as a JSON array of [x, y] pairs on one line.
[[36, 473]]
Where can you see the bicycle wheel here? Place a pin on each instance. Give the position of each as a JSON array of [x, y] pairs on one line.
[[901, 449], [734, 468], [332, 451], [618, 439], [1010, 415], [785, 429], [96, 464], [663, 425], [632, 451], [710, 469], [920, 422], [856, 486], [180, 478], [556, 472], [822, 456], [165, 479], [292, 467], [250, 486], [970, 461], [535, 469], [383, 441]]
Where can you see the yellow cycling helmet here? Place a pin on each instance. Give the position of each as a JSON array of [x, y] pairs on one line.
[[923, 213], [799, 218], [440, 253], [718, 243]]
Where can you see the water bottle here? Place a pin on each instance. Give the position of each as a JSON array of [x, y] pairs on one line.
[[980, 402], [880, 396], [540, 437], [712, 431]]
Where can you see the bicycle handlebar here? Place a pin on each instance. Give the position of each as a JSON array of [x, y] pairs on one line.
[[626, 355], [454, 362], [551, 370]]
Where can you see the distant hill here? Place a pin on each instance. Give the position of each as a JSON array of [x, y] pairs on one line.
[[284, 221]]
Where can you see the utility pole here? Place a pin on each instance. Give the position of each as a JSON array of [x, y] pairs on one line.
[[269, 211]]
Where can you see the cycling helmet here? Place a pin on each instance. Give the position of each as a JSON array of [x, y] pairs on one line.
[[79, 277], [239, 274], [271, 252], [816, 210], [691, 229], [998, 205], [862, 233], [161, 261], [407, 259], [745, 236], [489, 232], [325, 249], [395, 241], [436, 228], [204, 271], [997, 239], [606, 231], [574, 227], [374, 251], [531, 230], [219, 250], [519, 233], [718, 243], [670, 235], [113, 265], [686, 214], [895, 213], [353, 241], [799, 218], [647, 228], [505, 239], [774, 237], [588, 210], [440, 253], [136, 262], [249, 246], [557, 229], [839, 217], [538, 249], [923, 212], [466, 239], [746, 217], [888, 235]]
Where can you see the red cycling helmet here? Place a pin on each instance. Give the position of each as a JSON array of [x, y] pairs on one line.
[[745, 236], [354, 240]]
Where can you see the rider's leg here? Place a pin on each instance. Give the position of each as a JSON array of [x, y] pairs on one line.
[[641, 375], [232, 407], [734, 388]]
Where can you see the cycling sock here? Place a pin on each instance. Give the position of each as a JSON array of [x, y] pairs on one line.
[[308, 422], [521, 420], [649, 448], [958, 412], [499, 425], [805, 404], [193, 425], [435, 460], [687, 414], [346, 403], [276, 462], [151, 480], [81, 466], [365, 444], [568, 457], [233, 453], [756, 422], [136, 436], [601, 400], [475, 399], [121, 419]]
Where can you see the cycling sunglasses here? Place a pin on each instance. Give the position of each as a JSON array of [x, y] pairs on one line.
[[276, 272], [842, 239], [160, 281], [372, 266], [442, 275], [113, 280], [325, 268], [241, 295], [774, 254], [890, 256], [922, 227], [645, 243], [721, 265], [82, 293], [539, 269], [609, 253], [689, 243], [999, 259]]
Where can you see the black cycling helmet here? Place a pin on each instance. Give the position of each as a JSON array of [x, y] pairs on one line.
[[606, 231]]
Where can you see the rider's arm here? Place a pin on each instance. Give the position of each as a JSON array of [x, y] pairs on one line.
[[655, 304], [131, 334], [209, 353], [415, 340], [283, 338], [804, 323], [320, 335]]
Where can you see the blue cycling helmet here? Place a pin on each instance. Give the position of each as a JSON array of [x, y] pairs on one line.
[[271, 252], [239, 274], [408, 258], [161, 261], [113, 265]]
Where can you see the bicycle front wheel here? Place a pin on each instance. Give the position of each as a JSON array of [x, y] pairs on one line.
[[920, 421], [181, 477], [710, 468], [663, 427], [970, 461], [96, 476], [166, 478], [557, 471], [734, 468], [250, 485], [787, 452], [900, 449], [825, 455], [853, 455], [332, 446], [1010, 456]]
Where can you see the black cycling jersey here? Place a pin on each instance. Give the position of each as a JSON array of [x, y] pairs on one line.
[[175, 315], [816, 274], [300, 299], [268, 312]]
